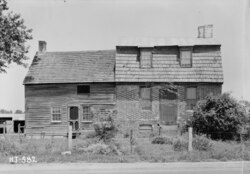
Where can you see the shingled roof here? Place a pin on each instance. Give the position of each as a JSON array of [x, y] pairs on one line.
[[72, 67], [112, 66]]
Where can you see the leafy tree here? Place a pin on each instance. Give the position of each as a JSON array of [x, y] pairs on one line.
[[13, 36], [18, 111], [4, 111], [219, 117]]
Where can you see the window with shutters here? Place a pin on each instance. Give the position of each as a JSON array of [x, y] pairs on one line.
[[146, 98], [145, 58], [55, 114], [186, 57]]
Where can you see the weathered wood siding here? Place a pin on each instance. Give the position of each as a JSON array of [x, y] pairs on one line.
[[206, 65], [40, 98]]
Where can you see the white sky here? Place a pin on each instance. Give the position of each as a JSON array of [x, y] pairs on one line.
[[95, 25]]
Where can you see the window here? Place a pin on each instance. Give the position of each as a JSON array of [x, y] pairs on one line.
[[191, 93], [86, 113], [83, 89], [186, 57], [146, 58], [56, 114], [145, 94], [168, 94]]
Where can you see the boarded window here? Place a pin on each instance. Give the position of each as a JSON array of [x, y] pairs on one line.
[[55, 114], [146, 58], [145, 94], [86, 113], [186, 58], [191, 93], [83, 89]]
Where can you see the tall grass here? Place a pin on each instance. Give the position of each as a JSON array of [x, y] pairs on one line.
[[90, 149]]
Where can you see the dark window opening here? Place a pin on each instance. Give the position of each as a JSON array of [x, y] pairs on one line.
[[83, 89], [16, 123], [168, 94]]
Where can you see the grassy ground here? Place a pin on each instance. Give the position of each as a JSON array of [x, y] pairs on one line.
[[92, 150]]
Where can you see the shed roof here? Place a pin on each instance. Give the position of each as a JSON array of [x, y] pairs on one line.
[[72, 67]]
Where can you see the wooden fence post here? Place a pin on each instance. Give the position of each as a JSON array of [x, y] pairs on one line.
[[19, 131], [70, 138], [4, 128], [190, 139], [131, 141], [159, 130]]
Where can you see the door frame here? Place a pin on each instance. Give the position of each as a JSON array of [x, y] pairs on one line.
[[68, 117], [172, 102]]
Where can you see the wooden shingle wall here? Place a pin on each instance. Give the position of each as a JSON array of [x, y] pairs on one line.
[[206, 65], [40, 98]]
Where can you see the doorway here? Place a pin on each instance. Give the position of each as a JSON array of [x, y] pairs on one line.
[[74, 117], [168, 107]]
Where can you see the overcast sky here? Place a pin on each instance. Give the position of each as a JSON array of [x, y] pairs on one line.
[[74, 25]]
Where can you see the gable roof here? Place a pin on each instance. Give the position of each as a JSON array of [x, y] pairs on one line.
[[72, 67], [109, 66]]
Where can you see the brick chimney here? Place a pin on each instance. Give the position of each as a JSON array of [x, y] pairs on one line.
[[205, 31], [42, 46]]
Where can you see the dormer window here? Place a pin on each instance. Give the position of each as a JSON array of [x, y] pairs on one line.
[[186, 56], [145, 57]]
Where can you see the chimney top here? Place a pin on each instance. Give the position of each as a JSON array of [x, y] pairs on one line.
[[205, 31], [42, 46]]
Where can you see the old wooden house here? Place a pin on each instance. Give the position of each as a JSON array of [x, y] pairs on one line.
[[63, 88]]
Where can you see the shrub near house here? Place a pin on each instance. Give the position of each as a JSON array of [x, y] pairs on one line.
[[219, 117]]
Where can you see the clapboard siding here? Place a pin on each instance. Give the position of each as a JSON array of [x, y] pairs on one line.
[[40, 98]]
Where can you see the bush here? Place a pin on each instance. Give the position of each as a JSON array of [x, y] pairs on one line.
[[180, 144], [219, 117], [101, 148], [105, 129], [162, 140], [8, 148], [202, 143]]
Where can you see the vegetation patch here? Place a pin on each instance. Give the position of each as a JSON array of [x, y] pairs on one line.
[[219, 117]]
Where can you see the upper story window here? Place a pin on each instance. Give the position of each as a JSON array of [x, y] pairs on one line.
[[186, 56], [83, 89], [145, 57]]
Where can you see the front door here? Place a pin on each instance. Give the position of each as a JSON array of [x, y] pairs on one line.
[[74, 118], [168, 107]]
